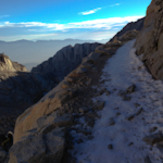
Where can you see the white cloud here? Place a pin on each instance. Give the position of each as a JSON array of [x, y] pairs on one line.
[[91, 24], [104, 23], [92, 29], [93, 11], [90, 11], [114, 5], [53, 26]]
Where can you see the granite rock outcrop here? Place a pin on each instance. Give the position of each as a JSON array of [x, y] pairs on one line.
[[149, 44], [6, 65]]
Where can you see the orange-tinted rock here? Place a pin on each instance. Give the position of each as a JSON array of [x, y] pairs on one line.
[[149, 43]]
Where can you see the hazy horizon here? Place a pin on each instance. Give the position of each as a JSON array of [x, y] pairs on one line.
[[37, 40], [31, 53]]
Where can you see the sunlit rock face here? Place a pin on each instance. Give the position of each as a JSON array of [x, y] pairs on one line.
[[7, 65], [149, 43]]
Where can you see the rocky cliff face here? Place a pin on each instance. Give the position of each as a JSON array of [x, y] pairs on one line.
[[6, 65], [133, 26], [64, 61], [150, 41]]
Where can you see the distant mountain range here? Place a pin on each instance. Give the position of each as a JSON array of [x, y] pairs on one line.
[[32, 53]]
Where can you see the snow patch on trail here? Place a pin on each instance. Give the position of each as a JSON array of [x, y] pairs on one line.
[[127, 117]]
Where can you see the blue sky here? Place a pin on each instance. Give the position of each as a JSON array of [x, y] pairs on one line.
[[62, 19]]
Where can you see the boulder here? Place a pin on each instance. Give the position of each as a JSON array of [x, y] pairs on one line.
[[45, 147], [6, 65]]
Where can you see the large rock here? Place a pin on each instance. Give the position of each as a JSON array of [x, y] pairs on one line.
[[149, 43], [45, 147], [39, 134], [6, 65]]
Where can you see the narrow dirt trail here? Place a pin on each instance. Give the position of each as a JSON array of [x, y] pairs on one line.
[[130, 127]]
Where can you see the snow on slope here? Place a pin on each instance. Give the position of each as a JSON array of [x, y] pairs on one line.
[[127, 117]]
